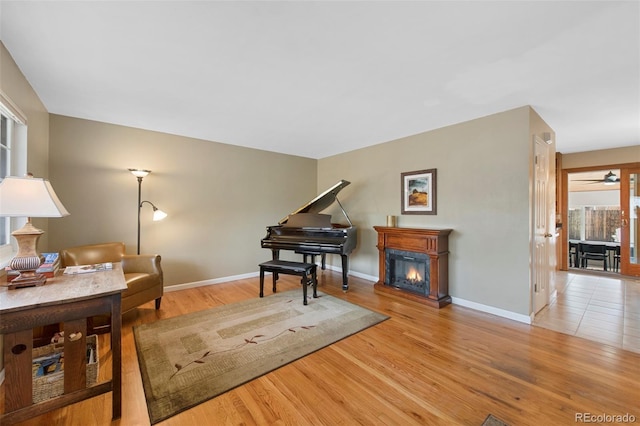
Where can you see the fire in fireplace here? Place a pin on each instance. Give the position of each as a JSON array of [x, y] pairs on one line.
[[407, 270], [427, 251]]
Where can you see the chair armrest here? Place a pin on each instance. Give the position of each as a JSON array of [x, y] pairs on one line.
[[145, 263]]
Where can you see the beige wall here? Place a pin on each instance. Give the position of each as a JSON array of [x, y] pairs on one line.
[[483, 169], [630, 154], [219, 197]]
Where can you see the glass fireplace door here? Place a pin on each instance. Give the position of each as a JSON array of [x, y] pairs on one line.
[[407, 270]]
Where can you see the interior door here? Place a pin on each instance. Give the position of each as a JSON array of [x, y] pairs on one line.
[[543, 226], [629, 221]]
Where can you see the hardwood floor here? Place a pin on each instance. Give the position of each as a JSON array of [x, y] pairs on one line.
[[423, 366]]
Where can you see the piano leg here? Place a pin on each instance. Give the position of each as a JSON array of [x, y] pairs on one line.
[[314, 278], [305, 282], [323, 257], [275, 255], [345, 272], [261, 282]]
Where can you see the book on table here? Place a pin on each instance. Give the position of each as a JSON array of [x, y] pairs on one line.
[[49, 267]]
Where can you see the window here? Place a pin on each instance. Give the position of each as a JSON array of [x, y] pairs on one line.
[[594, 223], [6, 125], [13, 161], [594, 206]]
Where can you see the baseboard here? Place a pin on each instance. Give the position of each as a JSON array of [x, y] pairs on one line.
[[203, 283], [492, 310], [221, 280], [355, 274], [455, 300], [458, 301]]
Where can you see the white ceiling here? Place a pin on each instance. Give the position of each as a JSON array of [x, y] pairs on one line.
[[320, 78]]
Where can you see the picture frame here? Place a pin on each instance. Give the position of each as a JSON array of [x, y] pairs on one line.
[[419, 192]]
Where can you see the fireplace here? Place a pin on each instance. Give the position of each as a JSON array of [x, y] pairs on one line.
[[414, 264], [407, 270]]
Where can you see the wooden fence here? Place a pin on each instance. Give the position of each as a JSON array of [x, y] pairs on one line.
[[600, 223]]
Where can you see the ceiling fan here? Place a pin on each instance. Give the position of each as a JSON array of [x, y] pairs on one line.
[[609, 179]]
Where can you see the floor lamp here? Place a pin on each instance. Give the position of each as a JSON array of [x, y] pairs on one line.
[[28, 197], [157, 213]]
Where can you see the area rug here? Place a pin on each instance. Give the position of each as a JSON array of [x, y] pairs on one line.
[[192, 358], [492, 420]]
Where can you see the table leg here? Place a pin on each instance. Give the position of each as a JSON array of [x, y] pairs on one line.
[[116, 354], [18, 360]]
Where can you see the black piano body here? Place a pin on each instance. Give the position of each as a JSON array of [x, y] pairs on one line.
[[308, 232]]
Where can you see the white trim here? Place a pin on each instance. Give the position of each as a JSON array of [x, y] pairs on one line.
[[364, 277], [11, 109], [455, 300], [492, 310], [210, 282], [355, 274], [221, 280]]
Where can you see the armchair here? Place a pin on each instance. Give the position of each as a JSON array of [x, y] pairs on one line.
[[142, 272]]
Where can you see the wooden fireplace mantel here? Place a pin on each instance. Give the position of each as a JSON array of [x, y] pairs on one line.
[[434, 243]]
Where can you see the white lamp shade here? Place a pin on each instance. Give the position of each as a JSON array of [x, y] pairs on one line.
[[158, 214], [30, 197], [140, 172]]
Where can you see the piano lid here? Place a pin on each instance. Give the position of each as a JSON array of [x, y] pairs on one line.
[[321, 202]]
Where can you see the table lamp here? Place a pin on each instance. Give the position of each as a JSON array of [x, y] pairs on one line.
[[28, 197]]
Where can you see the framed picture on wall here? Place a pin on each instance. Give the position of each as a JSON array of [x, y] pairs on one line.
[[419, 192]]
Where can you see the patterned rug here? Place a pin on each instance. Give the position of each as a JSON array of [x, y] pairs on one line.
[[492, 420], [192, 358]]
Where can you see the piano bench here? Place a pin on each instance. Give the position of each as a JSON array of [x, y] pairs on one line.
[[306, 270]]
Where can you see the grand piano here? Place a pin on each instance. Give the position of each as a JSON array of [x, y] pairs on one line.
[[308, 232]]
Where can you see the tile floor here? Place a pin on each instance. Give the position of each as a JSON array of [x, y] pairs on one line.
[[596, 307]]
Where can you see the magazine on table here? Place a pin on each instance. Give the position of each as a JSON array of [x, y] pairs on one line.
[[85, 269]]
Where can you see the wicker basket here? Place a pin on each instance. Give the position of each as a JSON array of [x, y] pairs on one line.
[[52, 384]]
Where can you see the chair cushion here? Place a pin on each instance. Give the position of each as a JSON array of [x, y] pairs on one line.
[[137, 282]]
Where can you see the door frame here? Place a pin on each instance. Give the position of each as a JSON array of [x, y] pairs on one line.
[[563, 264], [626, 267]]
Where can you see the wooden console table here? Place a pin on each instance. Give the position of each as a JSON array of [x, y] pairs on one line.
[[67, 299], [432, 242]]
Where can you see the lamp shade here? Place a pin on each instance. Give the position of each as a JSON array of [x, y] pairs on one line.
[[140, 173], [30, 197], [158, 214]]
